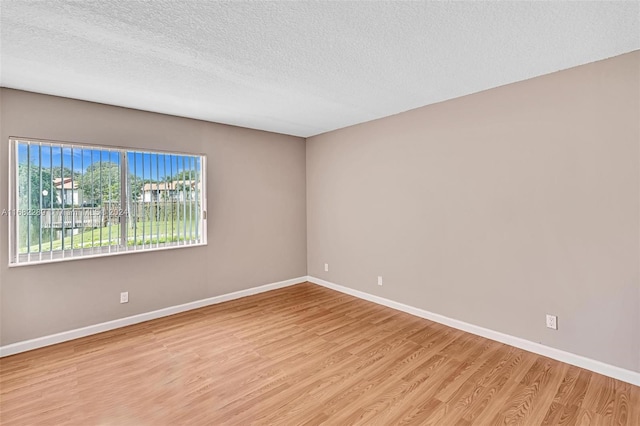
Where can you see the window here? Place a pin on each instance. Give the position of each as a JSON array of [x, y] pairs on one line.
[[69, 201]]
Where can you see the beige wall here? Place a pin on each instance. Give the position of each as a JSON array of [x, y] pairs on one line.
[[495, 209], [256, 226]]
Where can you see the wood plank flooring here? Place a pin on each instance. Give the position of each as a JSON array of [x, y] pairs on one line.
[[301, 355]]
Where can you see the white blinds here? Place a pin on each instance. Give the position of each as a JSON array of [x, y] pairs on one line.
[[70, 201]]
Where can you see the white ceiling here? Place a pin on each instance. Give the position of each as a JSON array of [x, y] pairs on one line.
[[299, 68]]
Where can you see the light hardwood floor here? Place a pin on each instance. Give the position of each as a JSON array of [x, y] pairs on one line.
[[301, 355]]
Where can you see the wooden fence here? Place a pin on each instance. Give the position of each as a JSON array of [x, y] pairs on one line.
[[97, 217]]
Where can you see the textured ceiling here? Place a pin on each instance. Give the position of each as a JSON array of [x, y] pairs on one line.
[[299, 68]]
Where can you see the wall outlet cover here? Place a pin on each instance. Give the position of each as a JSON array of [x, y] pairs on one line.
[[552, 322]]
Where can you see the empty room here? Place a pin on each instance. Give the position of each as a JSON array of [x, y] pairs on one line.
[[305, 213]]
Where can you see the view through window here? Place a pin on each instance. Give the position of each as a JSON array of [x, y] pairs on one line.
[[72, 200]]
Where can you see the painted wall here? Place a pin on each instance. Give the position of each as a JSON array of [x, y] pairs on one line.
[[496, 209], [256, 211]]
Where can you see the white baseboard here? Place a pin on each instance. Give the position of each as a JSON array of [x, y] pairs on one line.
[[557, 354], [64, 336]]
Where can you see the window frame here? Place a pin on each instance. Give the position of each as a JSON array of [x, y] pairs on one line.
[[101, 251]]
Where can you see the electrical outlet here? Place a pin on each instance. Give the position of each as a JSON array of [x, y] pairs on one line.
[[552, 322], [379, 280], [326, 267], [124, 297]]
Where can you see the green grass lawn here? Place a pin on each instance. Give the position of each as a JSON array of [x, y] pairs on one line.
[[149, 232]]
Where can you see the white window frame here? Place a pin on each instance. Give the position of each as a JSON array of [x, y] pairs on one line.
[[24, 259]]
